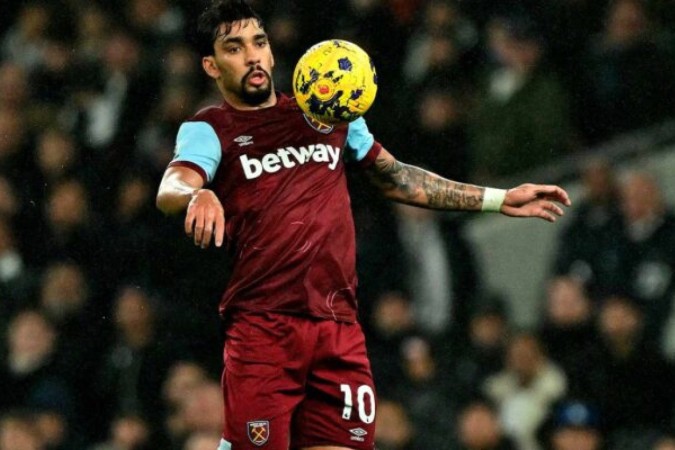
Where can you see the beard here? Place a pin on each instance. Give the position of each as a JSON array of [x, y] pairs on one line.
[[255, 95]]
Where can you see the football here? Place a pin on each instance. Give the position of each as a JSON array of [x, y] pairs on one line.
[[335, 81]]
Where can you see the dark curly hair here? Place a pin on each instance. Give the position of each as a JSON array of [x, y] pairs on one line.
[[217, 13]]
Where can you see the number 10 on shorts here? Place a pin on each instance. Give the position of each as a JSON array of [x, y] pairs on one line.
[[362, 392]]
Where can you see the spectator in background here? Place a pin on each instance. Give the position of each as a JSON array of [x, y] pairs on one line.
[[665, 443], [575, 426], [24, 43], [439, 44], [56, 158], [439, 130], [11, 201], [131, 230], [65, 297], [385, 43], [155, 143], [30, 375], [14, 154], [284, 31], [627, 74], [57, 430], [568, 331], [53, 80], [127, 432], [478, 428], [69, 229], [434, 266], [570, 25], [481, 353], [183, 377], [135, 366], [522, 117], [633, 383], [18, 432], [392, 323], [591, 247], [92, 27], [650, 230], [108, 114], [425, 393], [180, 68], [203, 409], [202, 441], [525, 390], [440, 272], [15, 278], [14, 88], [393, 429], [158, 23]]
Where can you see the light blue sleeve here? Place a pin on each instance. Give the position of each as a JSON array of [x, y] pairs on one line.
[[197, 143], [359, 139]]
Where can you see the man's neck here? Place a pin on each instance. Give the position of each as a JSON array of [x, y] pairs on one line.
[[238, 104]]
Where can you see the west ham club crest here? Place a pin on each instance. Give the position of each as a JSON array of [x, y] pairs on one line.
[[318, 126], [259, 432]]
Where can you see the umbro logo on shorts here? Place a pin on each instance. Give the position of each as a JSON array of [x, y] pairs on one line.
[[258, 432], [358, 434]]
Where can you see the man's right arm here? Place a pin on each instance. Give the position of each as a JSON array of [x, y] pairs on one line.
[[181, 188]]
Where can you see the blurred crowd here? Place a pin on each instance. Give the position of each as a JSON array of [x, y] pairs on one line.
[[110, 338]]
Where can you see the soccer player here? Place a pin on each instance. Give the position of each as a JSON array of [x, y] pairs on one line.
[[257, 175]]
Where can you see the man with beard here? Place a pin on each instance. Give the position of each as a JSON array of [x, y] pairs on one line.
[[255, 173]]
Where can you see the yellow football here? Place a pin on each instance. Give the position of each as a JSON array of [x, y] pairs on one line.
[[335, 81]]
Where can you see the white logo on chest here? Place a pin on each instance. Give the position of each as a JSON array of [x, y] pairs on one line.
[[244, 140], [289, 157]]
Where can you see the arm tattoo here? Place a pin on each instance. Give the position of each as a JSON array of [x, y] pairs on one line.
[[415, 186]]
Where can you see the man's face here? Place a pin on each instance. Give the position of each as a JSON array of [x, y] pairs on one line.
[[242, 63]]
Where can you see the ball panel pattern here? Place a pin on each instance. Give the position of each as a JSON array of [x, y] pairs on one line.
[[335, 81]]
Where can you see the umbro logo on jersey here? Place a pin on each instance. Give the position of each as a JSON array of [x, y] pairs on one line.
[[244, 140], [289, 157], [358, 434]]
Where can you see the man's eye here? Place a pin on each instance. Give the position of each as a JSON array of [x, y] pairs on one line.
[[232, 50]]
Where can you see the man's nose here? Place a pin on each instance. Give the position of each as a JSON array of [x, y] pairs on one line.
[[253, 56]]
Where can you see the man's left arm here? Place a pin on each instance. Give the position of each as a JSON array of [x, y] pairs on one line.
[[415, 186]]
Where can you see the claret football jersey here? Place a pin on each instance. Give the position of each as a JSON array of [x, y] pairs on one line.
[[281, 180]]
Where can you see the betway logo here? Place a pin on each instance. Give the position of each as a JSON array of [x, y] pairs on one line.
[[286, 158]]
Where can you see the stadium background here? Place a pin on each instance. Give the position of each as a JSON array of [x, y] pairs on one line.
[[484, 332]]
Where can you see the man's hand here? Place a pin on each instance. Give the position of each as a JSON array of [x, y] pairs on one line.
[[535, 200], [205, 218]]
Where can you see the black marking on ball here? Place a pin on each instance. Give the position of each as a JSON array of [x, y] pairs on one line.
[[345, 64]]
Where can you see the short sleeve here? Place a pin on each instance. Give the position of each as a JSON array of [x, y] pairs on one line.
[[359, 139], [198, 145]]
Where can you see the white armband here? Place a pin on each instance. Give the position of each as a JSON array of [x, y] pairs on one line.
[[493, 199]]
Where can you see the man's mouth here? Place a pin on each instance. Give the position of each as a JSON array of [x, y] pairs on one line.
[[257, 78]]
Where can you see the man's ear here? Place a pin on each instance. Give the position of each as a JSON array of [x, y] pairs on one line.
[[210, 67]]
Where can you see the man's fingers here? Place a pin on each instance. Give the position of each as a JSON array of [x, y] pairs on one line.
[[208, 228], [220, 229], [205, 220], [542, 209], [189, 222], [555, 193], [555, 209]]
